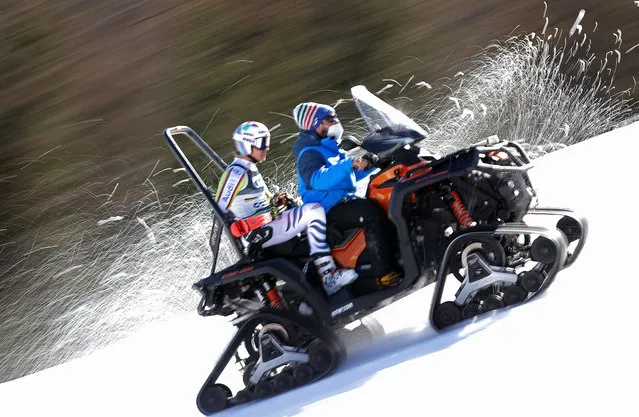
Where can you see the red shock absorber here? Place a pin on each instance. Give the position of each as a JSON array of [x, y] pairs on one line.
[[459, 210], [273, 297]]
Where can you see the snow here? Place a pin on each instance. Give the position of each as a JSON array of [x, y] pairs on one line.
[[572, 351]]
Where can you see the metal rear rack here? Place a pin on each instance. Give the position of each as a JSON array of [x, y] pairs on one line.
[[219, 218]]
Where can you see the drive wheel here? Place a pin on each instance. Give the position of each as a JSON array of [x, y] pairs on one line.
[[215, 398], [264, 389], [284, 382], [570, 227], [471, 310], [303, 374], [488, 247], [321, 359], [447, 314], [543, 250], [531, 281], [493, 302], [244, 396], [252, 340], [514, 295], [368, 331]]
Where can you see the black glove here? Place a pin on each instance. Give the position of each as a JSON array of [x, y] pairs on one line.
[[282, 202], [349, 142], [257, 238], [371, 158]]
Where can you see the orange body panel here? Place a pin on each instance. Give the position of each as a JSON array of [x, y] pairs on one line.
[[381, 187], [348, 254]]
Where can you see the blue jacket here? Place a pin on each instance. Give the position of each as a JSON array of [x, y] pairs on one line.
[[325, 174]]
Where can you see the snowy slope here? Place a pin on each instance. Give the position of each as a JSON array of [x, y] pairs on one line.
[[571, 351]]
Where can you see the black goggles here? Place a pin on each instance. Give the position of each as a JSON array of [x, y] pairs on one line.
[[262, 143], [331, 118]]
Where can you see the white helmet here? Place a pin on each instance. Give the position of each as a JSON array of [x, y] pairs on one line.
[[249, 135]]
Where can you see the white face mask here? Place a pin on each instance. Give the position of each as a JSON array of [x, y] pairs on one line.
[[335, 131]]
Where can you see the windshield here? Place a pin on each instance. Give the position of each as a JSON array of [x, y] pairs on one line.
[[380, 115]]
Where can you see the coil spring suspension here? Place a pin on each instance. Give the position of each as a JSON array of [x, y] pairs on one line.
[[273, 297], [459, 210]]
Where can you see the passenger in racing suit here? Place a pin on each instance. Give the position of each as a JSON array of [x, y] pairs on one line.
[[242, 192], [326, 175]]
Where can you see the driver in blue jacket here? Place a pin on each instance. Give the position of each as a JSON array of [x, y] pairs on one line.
[[326, 175]]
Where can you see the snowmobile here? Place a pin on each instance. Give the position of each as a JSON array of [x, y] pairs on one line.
[[458, 223]]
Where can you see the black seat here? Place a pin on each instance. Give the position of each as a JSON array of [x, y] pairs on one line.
[[293, 248]]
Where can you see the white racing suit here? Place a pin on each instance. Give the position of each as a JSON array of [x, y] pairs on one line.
[[242, 192]]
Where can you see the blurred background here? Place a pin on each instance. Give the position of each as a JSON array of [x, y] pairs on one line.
[[98, 231]]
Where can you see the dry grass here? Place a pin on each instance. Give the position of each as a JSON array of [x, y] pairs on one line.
[[86, 88]]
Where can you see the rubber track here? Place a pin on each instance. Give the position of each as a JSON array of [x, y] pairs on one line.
[[563, 260], [325, 335]]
